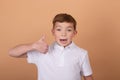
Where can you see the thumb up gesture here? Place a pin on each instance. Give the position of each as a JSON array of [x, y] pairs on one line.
[[41, 45]]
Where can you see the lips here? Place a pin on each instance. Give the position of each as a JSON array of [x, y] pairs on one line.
[[63, 41]]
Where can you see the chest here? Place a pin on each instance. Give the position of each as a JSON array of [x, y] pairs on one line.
[[64, 59]]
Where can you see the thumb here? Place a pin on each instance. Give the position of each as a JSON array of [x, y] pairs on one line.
[[42, 38]]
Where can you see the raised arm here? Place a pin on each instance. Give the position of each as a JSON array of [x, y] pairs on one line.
[[21, 50]]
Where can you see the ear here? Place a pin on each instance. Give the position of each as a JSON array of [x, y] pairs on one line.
[[75, 32], [52, 30]]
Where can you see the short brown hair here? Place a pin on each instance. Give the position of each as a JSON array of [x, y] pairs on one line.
[[63, 17]]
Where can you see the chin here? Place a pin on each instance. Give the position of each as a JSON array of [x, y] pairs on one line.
[[64, 44]]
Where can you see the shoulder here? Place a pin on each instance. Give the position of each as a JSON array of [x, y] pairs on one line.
[[33, 53], [80, 51]]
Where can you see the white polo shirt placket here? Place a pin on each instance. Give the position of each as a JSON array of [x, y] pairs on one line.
[[59, 56]]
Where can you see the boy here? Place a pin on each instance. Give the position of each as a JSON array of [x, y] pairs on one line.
[[62, 60]]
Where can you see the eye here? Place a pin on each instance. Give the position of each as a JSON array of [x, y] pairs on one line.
[[58, 29], [69, 30]]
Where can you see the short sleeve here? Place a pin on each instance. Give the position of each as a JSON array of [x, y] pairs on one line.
[[33, 56], [85, 67]]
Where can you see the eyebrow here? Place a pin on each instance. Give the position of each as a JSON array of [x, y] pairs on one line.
[[67, 26]]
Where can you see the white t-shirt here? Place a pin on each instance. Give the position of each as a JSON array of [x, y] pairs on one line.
[[61, 63]]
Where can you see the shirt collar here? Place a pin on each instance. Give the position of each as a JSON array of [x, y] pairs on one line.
[[57, 46]]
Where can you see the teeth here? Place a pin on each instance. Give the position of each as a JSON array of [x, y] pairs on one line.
[[63, 39]]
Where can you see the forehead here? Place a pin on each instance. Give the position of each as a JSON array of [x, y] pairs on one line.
[[64, 25]]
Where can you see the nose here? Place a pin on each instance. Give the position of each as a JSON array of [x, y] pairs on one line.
[[63, 33]]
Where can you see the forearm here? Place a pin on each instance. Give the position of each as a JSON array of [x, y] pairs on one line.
[[20, 50]]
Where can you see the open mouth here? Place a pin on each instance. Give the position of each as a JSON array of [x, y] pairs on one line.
[[63, 41]]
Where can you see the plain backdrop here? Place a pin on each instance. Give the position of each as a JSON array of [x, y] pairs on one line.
[[25, 21]]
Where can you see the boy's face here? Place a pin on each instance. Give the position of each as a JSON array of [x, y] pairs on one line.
[[63, 32]]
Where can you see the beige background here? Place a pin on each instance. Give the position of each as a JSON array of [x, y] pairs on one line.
[[24, 21]]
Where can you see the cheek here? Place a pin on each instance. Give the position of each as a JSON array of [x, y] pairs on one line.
[[71, 35], [56, 35]]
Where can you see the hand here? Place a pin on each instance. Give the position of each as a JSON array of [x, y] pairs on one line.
[[41, 45]]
